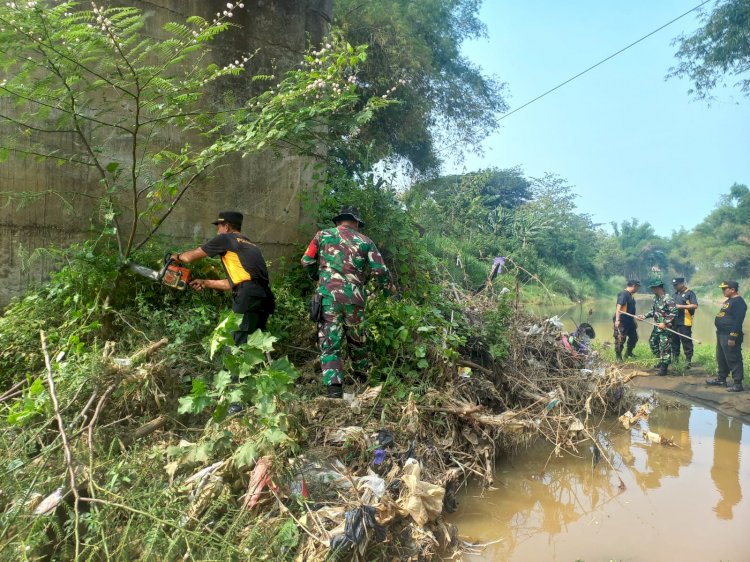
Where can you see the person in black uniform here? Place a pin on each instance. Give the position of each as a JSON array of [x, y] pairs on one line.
[[625, 326], [687, 304], [247, 275], [729, 337]]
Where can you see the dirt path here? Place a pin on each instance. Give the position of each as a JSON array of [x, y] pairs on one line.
[[693, 387]]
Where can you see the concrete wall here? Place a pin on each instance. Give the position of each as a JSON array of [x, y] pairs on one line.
[[266, 189]]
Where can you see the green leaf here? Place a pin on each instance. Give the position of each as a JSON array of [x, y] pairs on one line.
[[246, 455], [199, 453], [222, 380], [112, 167], [261, 340], [276, 436]]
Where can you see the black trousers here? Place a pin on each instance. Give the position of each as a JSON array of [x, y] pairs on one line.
[[256, 303], [687, 345], [625, 332], [729, 359]]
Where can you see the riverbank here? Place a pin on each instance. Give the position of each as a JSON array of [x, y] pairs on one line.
[[693, 387]]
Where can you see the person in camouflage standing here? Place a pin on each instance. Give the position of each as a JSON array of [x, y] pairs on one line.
[[663, 311], [346, 259]]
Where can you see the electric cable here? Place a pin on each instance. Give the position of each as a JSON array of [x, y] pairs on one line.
[[592, 67]]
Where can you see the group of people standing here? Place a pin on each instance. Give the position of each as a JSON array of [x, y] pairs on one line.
[[673, 316], [343, 260]]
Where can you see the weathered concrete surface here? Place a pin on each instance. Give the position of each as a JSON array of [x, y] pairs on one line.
[[264, 188], [693, 387]]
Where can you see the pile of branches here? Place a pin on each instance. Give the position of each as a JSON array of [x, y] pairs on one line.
[[375, 473], [454, 432]]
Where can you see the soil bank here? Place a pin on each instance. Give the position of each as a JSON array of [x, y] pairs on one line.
[[693, 387]]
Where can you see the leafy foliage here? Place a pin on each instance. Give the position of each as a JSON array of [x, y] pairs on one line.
[[717, 50], [720, 245], [414, 50], [93, 76], [249, 376]]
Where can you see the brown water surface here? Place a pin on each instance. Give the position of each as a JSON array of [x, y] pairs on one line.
[[681, 503]]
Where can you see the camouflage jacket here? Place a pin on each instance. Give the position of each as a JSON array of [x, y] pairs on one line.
[[346, 259], [663, 309]]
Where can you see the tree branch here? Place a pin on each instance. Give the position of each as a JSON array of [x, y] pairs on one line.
[[69, 461]]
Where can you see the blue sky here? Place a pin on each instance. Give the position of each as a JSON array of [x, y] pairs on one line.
[[630, 143]]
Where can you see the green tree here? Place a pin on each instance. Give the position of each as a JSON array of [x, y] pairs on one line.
[[680, 256], [415, 55], [717, 50], [644, 251], [88, 88], [569, 238], [475, 201], [720, 245]]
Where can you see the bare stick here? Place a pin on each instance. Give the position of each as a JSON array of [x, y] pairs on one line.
[[69, 462], [656, 325], [13, 390]]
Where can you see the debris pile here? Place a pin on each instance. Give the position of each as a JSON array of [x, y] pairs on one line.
[[379, 473], [375, 472]]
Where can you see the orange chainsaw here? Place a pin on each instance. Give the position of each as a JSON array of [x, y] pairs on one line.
[[172, 274]]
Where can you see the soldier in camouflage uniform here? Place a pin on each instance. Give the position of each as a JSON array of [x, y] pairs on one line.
[[346, 259], [663, 311]]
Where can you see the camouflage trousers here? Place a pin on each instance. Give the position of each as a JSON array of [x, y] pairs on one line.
[[661, 345], [341, 321]]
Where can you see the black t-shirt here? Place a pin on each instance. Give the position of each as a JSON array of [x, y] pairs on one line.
[[626, 303], [241, 259], [731, 316], [685, 317]]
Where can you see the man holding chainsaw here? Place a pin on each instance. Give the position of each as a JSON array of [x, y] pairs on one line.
[[247, 275], [346, 259]]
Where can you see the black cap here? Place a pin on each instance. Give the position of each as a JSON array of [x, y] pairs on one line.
[[232, 218], [678, 280], [633, 282], [729, 285], [347, 212]]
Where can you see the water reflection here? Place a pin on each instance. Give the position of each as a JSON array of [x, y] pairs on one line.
[[725, 470], [571, 508], [660, 462]]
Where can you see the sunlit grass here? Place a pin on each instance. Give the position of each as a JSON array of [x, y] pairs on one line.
[[704, 360]]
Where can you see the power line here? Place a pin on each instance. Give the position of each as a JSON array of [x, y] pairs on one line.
[[592, 67]]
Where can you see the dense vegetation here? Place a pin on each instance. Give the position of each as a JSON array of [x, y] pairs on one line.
[[76, 400]]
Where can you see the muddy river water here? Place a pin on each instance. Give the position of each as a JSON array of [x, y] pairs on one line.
[[685, 503]]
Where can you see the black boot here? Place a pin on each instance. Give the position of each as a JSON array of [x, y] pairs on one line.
[[335, 391], [662, 370], [618, 355], [629, 354], [717, 382], [688, 364], [736, 387]]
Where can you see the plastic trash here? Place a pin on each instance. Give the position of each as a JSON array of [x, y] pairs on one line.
[[355, 537], [48, 504], [422, 501], [373, 486], [384, 439], [380, 455]]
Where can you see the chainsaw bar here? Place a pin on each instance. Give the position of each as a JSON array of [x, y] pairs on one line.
[[145, 271]]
